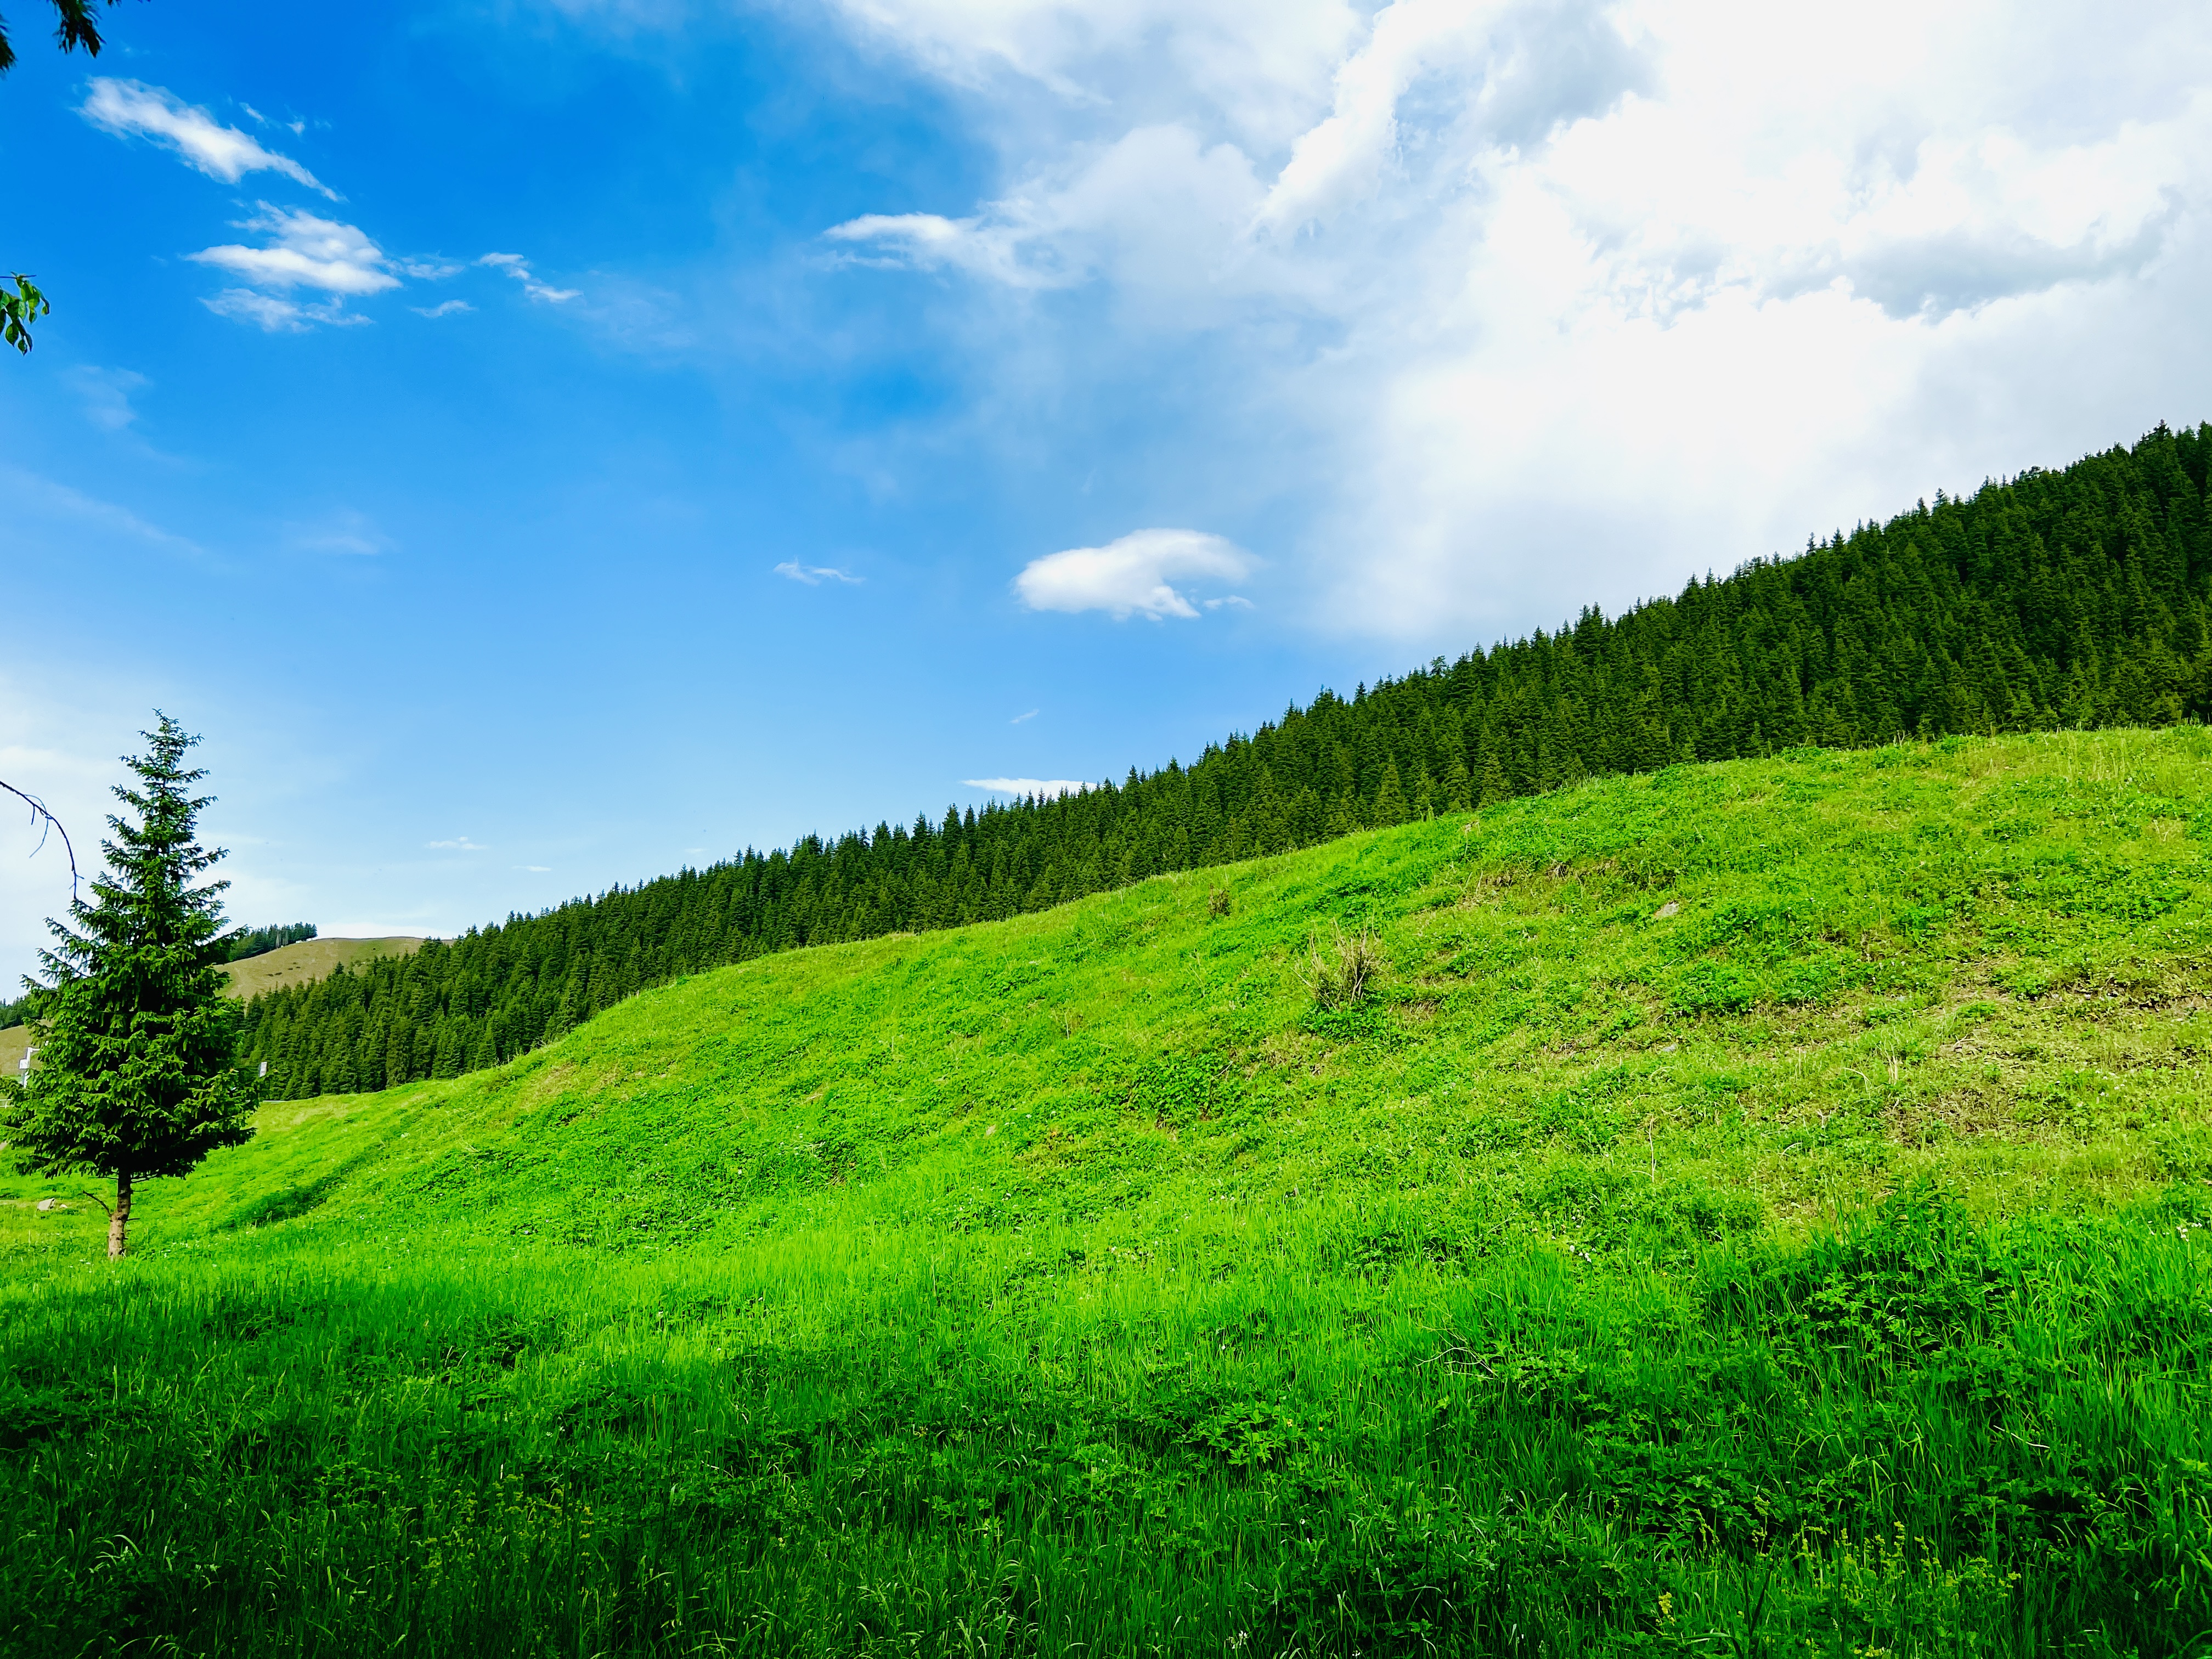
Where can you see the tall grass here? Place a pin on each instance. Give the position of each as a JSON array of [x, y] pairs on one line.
[[1908, 1434]]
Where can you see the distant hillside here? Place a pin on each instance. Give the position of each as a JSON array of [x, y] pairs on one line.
[[2052, 600], [310, 960], [291, 964]]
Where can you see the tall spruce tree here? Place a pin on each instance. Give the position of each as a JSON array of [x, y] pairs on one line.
[[137, 1073]]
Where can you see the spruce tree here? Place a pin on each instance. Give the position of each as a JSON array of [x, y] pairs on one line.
[[137, 1073], [1390, 806]]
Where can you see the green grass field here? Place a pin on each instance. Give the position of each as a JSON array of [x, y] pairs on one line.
[[1756, 1209]]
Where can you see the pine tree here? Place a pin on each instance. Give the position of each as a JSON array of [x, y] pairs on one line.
[[1458, 787], [137, 1075], [1390, 804]]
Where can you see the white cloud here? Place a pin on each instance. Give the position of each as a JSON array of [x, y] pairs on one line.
[[130, 108], [456, 843], [278, 316], [1018, 719], [1132, 576], [105, 394], [815, 575], [1518, 304], [1147, 212], [535, 869], [304, 251], [1028, 785], [516, 267]]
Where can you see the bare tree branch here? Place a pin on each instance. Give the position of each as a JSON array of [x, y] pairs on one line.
[[46, 820]]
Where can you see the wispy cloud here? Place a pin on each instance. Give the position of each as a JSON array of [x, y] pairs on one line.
[[535, 869], [279, 316], [105, 394], [1018, 719], [518, 268], [294, 127], [1133, 575], [26, 490], [815, 575], [1047, 786], [457, 844], [344, 530], [133, 109], [296, 251], [300, 250]]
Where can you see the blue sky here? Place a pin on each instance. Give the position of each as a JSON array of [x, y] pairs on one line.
[[543, 442]]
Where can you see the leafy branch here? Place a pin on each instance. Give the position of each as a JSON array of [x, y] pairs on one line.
[[76, 24], [19, 309]]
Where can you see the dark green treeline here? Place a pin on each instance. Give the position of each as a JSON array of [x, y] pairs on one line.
[[2073, 598]]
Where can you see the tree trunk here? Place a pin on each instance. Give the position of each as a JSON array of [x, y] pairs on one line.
[[118, 1219]]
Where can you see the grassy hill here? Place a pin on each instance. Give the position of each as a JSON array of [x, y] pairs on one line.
[[311, 959], [290, 965], [1752, 1205]]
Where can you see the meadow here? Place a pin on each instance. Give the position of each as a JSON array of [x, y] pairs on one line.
[[1753, 1208]]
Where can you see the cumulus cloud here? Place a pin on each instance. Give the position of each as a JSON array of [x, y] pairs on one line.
[[1523, 304], [1027, 787], [304, 251], [815, 575], [133, 109], [518, 268], [1133, 575], [298, 250]]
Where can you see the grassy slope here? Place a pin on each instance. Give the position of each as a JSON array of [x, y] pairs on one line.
[[1987, 957], [291, 964], [1075, 1283]]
